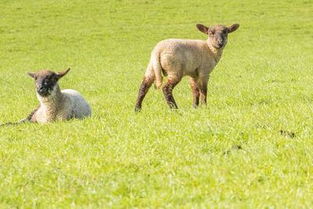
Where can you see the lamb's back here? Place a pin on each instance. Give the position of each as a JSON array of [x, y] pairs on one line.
[[76, 102], [184, 54], [182, 46]]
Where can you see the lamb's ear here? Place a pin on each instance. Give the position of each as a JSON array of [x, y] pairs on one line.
[[33, 75], [61, 74], [202, 28], [232, 28]]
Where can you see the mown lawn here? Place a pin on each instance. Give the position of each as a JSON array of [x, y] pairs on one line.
[[251, 147]]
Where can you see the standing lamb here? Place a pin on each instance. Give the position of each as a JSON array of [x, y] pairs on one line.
[[176, 58], [54, 103]]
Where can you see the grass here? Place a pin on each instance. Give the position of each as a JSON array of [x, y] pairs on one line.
[[251, 147]]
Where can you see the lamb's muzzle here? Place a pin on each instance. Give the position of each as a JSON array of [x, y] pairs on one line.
[[177, 58]]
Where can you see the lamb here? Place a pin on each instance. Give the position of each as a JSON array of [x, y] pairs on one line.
[[54, 103], [177, 58]]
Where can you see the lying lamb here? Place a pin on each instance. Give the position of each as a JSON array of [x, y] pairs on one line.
[[54, 103], [177, 58]]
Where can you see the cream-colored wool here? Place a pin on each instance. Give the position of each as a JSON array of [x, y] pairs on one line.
[[177, 58], [61, 105]]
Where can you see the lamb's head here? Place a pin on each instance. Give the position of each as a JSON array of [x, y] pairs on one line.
[[47, 81], [217, 34]]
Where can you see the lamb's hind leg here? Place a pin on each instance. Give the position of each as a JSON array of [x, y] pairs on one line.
[[168, 91], [144, 87], [195, 92]]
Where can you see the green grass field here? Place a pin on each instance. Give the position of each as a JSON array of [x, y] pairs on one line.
[[251, 147]]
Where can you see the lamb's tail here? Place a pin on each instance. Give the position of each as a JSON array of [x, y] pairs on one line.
[[157, 68]]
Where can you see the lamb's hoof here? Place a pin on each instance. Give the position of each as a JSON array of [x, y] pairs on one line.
[[137, 109], [195, 106], [173, 106]]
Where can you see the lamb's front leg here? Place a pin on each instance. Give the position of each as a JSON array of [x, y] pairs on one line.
[[203, 86], [31, 117], [195, 92]]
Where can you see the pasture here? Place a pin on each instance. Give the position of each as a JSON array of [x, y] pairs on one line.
[[250, 147]]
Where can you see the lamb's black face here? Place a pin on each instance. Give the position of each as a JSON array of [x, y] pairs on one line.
[[46, 81]]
